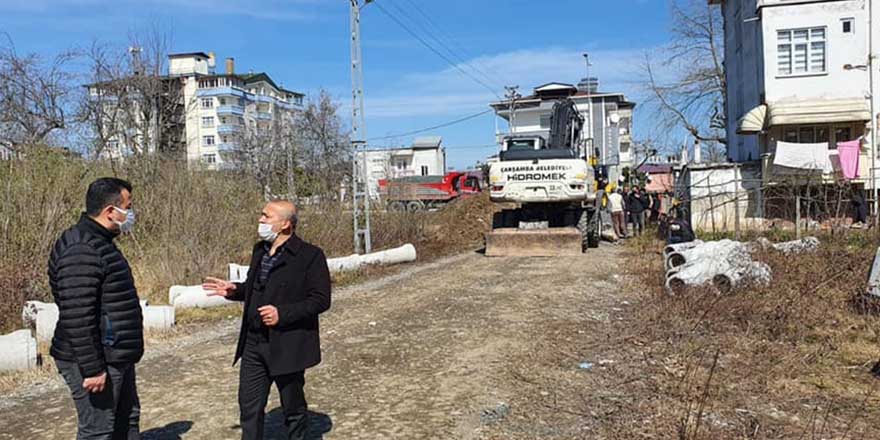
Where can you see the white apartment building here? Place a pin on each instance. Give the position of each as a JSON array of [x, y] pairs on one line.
[[218, 107], [425, 157], [608, 119], [799, 72]]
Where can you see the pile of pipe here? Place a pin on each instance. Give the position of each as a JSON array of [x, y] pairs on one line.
[[43, 317], [197, 297], [18, 351], [724, 264]]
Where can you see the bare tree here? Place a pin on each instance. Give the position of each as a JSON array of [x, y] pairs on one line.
[[132, 103], [34, 96], [325, 156], [690, 89]]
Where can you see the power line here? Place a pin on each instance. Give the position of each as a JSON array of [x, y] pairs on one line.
[[443, 41], [433, 49], [443, 125]]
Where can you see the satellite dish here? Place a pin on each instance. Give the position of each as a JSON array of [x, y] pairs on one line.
[[614, 118]]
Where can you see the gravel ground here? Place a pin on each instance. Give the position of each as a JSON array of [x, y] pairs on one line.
[[468, 347]]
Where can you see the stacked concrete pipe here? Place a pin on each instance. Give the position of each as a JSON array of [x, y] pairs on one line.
[[43, 317]]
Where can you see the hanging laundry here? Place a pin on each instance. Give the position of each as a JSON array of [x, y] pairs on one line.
[[849, 158], [803, 156]]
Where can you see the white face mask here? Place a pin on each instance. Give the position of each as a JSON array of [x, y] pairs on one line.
[[266, 233], [127, 225]]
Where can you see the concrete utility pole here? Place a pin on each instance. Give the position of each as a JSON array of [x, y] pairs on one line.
[[360, 195], [512, 95]]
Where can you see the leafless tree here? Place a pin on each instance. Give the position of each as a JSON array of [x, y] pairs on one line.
[[686, 79], [325, 150], [34, 96], [131, 101]]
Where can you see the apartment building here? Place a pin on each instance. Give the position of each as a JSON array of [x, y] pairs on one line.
[[213, 111], [608, 119], [798, 72]]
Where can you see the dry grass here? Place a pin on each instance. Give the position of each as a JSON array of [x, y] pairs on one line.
[[787, 360]]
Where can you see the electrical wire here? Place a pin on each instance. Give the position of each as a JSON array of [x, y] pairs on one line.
[[443, 125], [438, 35], [434, 50]]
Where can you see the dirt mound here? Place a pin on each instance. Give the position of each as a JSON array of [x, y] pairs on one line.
[[459, 226]]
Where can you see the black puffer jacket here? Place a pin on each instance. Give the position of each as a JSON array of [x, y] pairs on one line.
[[100, 316]]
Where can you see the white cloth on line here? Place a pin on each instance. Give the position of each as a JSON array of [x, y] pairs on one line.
[[803, 156]]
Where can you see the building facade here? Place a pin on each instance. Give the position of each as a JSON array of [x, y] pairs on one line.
[[425, 157], [608, 120], [798, 72], [217, 110]]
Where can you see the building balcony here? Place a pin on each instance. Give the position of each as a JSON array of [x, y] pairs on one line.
[[266, 116], [222, 91], [227, 147], [228, 128], [230, 110]]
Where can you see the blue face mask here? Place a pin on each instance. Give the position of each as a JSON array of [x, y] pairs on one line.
[[127, 225]]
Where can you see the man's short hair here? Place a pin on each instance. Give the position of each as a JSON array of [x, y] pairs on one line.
[[104, 192], [289, 214]]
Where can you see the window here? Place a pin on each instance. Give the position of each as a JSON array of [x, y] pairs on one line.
[[222, 119], [849, 25], [207, 102], [222, 101], [801, 51], [207, 121], [207, 140], [224, 139], [545, 121], [424, 170], [401, 165], [842, 134], [806, 134], [209, 159]]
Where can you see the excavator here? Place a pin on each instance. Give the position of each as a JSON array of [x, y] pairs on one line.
[[552, 189]]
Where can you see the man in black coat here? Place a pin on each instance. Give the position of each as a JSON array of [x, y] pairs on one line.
[[636, 204], [287, 287], [99, 336]]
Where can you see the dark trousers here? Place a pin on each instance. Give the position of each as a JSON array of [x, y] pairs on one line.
[[113, 414], [637, 219], [254, 384]]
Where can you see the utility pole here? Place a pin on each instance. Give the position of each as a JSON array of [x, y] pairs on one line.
[[512, 95], [360, 195], [589, 138]]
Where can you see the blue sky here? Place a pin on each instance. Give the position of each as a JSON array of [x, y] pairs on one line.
[[304, 44]]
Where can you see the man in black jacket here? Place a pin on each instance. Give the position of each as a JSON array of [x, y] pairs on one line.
[[287, 287], [636, 205], [99, 337]]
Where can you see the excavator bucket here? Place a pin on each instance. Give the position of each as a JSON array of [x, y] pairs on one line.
[[550, 242]]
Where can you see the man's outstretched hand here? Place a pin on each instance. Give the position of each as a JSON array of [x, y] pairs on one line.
[[218, 287]]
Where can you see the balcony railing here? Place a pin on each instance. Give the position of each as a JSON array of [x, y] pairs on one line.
[[264, 115], [228, 128], [230, 110]]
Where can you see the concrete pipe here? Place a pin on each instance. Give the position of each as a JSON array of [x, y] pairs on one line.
[[18, 351], [696, 274], [807, 244], [754, 272], [158, 317], [182, 297], [722, 249], [237, 273], [403, 254], [670, 248], [31, 309]]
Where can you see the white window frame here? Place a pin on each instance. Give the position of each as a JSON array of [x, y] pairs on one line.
[[207, 121], [852, 25], [209, 140], [791, 46], [207, 102], [209, 158]]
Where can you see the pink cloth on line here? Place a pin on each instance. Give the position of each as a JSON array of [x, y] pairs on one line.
[[849, 158]]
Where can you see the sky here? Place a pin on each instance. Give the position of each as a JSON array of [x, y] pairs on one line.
[[304, 45]]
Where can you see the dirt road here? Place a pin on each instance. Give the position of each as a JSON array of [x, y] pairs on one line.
[[466, 348]]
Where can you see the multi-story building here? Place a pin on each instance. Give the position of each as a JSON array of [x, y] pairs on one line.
[[425, 157], [216, 109], [798, 71], [608, 120]]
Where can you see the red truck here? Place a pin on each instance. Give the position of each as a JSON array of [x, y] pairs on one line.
[[428, 192]]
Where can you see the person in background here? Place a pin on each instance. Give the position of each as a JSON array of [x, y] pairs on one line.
[[636, 206], [615, 205], [656, 205], [100, 335], [626, 214]]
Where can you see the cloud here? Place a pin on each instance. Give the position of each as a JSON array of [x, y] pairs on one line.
[[448, 92]]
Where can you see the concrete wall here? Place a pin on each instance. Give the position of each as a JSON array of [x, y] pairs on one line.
[[713, 193]]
